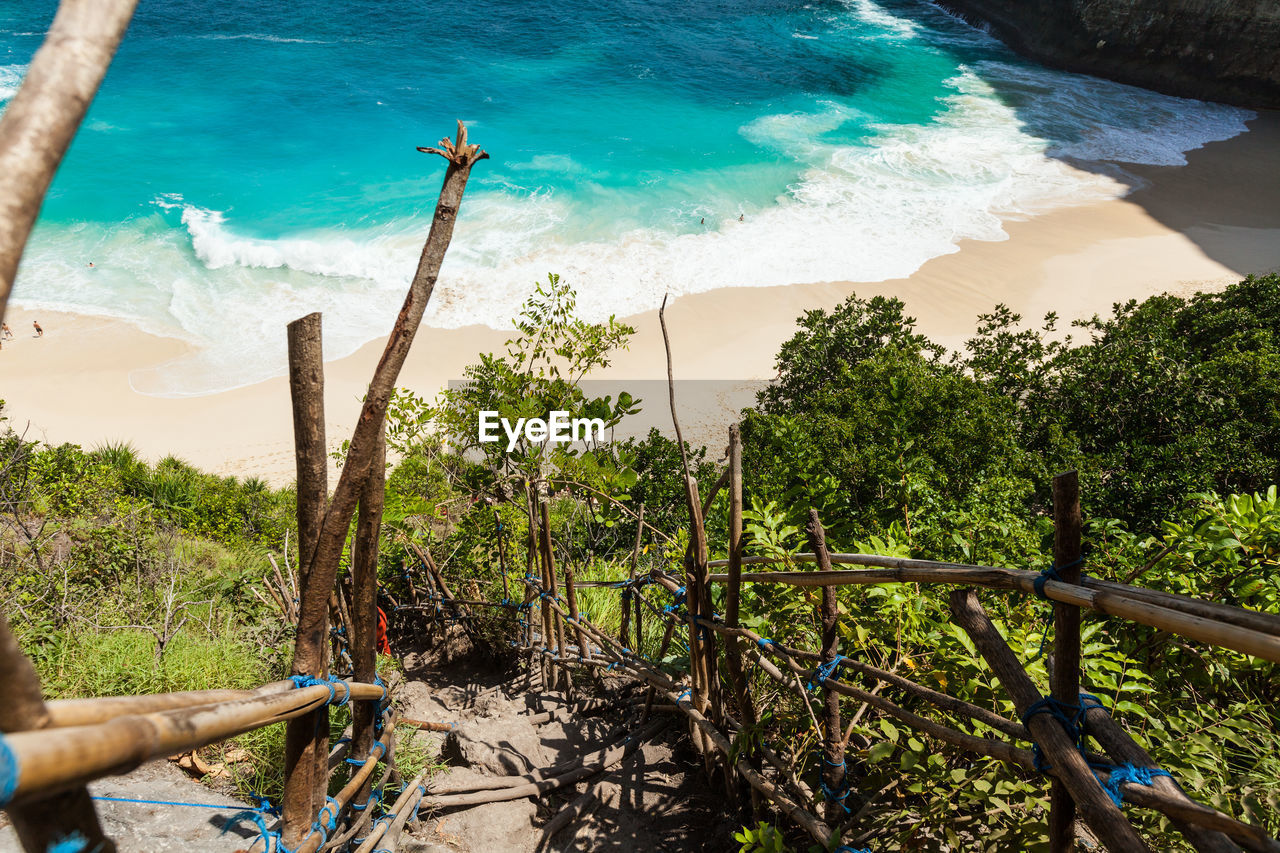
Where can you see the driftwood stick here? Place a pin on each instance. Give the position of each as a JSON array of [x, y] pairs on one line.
[[323, 566], [1064, 676], [307, 739], [1095, 807], [364, 572], [573, 811], [43, 117]]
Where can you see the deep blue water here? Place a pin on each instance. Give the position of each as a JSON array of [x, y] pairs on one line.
[[247, 162]]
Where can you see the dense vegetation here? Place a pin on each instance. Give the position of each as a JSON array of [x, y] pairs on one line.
[[1168, 408]]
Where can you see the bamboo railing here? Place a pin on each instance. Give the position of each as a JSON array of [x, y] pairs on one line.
[[1084, 783]]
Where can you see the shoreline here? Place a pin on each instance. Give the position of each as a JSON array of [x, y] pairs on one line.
[[1199, 226]]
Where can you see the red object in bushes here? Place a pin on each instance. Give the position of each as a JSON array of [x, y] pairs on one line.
[[384, 648]]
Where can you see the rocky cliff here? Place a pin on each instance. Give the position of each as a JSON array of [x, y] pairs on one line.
[[1220, 50]]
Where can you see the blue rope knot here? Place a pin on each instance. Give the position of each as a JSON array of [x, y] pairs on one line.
[[765, 643], [331, 823], [1051, 574], [844, 848], [1131, 774], [837, 796], [684, 696], [825, 671]]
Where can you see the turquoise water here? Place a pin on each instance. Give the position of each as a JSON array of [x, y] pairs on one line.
[[247, 162]]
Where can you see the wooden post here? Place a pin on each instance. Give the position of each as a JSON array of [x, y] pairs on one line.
[[1106, 821], [1064, 674], [571, 598], [307, 737], [364, 616], [556, 626], [733, 649], [43, 823], [624, 632], [833, 768], [502, 555]]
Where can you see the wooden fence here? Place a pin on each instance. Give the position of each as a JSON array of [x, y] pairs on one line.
[[1049, 738]]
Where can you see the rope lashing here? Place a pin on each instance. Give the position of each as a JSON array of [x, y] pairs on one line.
[[1046, 575], [301, 681], [1070, 716], [1051, 574], [844, 848], [1132, 774], [824, 671], [681, 595], [10, 769], [684, 696]]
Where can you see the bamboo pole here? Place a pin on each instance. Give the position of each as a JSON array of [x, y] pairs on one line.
[[833, 766], [56, 760], [364, 573], [1064, 675], [1108, 601], [39, 825], [401, 809], [1106, 821], [86, 712]]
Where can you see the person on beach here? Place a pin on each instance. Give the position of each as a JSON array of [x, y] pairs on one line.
[[39, 331], [8, 333]]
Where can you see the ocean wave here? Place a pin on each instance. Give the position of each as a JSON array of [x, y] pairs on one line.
[[10, 80]]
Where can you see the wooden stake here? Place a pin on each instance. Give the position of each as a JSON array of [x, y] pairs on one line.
[[563, 678], [733, 592], [571, 598], [364, 573], [1064, 674], [502, 555], [833, 766], [307, 738]]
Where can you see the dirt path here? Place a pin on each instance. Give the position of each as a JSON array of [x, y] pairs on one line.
[[655, 799]]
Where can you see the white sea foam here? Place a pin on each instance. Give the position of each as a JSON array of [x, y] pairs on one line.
[[10, 80], [1001, 146]]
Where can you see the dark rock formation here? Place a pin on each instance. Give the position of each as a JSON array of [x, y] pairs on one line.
[[1219, 50]]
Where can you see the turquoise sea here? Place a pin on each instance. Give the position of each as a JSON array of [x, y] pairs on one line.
[[249, 161]]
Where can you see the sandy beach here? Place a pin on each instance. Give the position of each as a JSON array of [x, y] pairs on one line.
[[1200, 226]]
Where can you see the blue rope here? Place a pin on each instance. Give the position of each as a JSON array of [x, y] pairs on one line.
[[844, 848], [1051, 574], [73, 843], [1046, 575], [824, 671], [222, 806], [684, 696], [9, 771], [1132, 774]]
